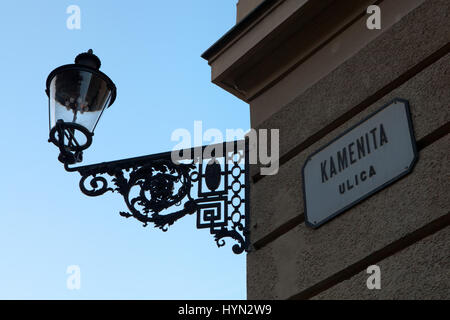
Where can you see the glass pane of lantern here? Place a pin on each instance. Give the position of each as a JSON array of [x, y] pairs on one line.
[[78, 96]]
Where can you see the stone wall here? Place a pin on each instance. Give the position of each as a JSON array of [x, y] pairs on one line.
[[403, 228]]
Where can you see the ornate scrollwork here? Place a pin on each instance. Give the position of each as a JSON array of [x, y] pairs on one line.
[[152, 185], [71, 139], [156, 185], [95, 189]]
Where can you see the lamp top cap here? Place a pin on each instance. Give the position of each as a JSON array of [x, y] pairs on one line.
[[88, 59]]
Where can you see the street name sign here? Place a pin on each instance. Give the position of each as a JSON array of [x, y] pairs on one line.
[[363, 160]]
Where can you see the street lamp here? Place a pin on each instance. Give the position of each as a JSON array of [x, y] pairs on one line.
[[214, 186], [78, 94]]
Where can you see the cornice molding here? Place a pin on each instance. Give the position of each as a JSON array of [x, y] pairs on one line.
[[275, 38]]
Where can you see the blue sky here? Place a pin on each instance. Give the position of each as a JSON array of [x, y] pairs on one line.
[[151, 50]]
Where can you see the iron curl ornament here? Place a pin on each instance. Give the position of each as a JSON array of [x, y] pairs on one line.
[[160, 192]]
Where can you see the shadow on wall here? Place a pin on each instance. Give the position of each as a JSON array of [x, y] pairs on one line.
[[244, 7]]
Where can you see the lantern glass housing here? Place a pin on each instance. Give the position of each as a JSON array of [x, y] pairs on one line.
[[79, 97], [79, 93]]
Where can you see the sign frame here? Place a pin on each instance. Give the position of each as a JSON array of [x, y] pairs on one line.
[[379, 188]]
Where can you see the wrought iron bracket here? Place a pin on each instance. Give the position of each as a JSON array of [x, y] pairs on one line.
[[214, 187]]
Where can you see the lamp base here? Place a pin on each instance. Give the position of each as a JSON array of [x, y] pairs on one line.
[[66, 136]]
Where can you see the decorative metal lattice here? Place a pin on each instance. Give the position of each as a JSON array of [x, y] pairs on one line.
[[214, 187]]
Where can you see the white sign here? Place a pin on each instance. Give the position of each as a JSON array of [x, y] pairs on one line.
[[363, 160]]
